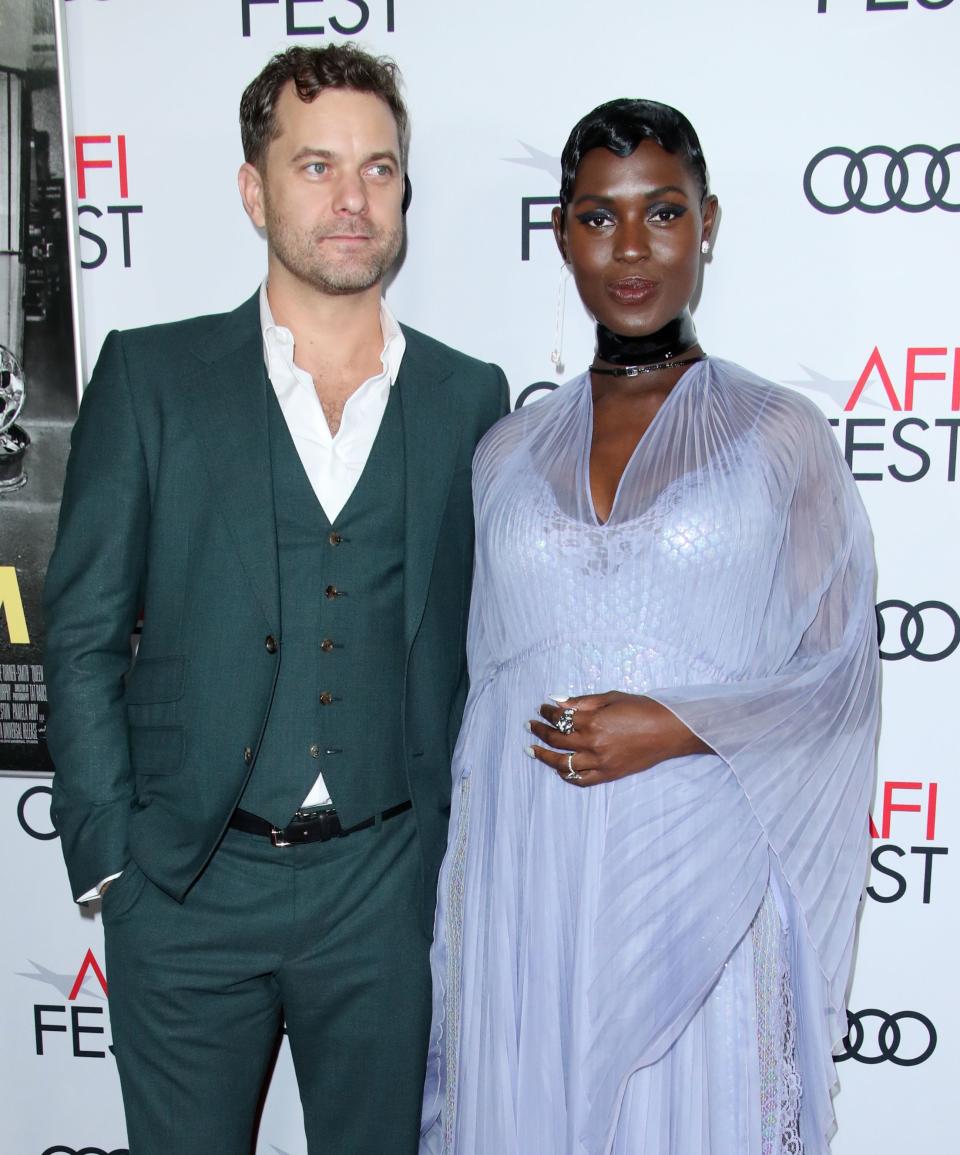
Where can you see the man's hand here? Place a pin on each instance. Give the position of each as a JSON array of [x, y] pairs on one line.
[[612, 735]]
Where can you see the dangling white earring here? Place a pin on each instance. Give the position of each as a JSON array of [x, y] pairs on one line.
[[557, 355], [704, 247]]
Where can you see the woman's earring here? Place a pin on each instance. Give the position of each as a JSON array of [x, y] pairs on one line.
[[557, 355], [704, 247]]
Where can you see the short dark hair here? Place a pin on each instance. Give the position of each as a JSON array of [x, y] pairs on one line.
[[312, 71], [620, 126]]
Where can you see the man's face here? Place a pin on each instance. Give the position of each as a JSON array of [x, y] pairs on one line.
[[329, 190]]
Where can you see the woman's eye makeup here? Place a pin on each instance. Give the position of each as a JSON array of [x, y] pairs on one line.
[[595, 218], [665, 212], [659, 213]]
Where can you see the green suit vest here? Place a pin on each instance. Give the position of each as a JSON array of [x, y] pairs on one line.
[[336, 707]]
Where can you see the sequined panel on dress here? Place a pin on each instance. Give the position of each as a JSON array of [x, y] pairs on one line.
[[780, 1087]]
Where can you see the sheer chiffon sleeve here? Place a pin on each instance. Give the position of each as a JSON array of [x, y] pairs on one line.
[[801, 739], [800, 736]]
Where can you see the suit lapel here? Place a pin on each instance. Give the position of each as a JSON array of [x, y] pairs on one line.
[[231, 415], [431, 437]]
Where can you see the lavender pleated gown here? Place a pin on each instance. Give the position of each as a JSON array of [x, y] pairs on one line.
[[657, 966]]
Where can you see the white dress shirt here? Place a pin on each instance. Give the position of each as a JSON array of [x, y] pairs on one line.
[[332, 462]]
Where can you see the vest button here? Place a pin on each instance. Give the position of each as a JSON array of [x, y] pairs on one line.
[[326, 698], [331, 592], [270, 644], [314, 751], [326, 645], [248, 754], [335, 539]]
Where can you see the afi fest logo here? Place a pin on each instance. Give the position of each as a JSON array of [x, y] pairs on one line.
[[914, 179], [897, 869], [344, 17], [71, 1018], [102, 171], [903, 447]]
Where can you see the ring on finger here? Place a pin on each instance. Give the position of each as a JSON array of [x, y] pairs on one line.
[[565, 722], [571, 774]]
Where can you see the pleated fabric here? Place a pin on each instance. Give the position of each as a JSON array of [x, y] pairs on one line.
[[597, 982]]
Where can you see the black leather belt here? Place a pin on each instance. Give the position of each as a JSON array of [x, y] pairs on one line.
[[308, 825]]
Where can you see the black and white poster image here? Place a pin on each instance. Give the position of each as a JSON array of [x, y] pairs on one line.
[[38, 379]]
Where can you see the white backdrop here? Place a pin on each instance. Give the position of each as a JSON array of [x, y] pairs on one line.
[[818, 300]]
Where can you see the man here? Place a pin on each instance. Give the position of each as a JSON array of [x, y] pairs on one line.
[[285, 492]]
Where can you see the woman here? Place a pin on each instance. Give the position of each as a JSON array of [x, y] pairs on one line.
[[645, 929]]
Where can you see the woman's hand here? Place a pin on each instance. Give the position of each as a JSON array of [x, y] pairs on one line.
[[613, 735]]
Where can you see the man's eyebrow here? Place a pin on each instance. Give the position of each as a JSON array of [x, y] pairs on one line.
[[320, 153], [383, 154]]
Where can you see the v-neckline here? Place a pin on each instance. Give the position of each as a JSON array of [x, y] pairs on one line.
[[588, 451]]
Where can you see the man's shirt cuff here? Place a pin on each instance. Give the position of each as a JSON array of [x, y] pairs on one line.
[[98, 889]]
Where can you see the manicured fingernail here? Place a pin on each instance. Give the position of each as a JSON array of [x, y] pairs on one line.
[[559, 697], [528, 750], [528, 727]]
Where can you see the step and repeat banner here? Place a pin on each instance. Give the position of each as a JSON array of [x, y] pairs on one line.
[[831, 134]]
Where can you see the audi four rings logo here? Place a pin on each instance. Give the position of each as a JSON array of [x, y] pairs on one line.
[[916, 625], [909, 187], [62, 1149], [885, 1041]]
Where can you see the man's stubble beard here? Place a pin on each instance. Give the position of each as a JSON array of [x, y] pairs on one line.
[[302, 256]]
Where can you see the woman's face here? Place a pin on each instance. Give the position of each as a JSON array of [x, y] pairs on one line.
[[632, 236]]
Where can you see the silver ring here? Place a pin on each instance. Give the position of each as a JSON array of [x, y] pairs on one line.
[[571, 774], [565, 722]]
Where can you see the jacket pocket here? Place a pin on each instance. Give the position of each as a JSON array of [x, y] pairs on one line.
[[155, 680], [156, 749]]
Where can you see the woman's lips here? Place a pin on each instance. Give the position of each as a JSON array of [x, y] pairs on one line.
[[631, 290]]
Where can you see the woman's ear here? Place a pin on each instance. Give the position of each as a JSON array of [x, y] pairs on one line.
[[559, 233], [710, 206]]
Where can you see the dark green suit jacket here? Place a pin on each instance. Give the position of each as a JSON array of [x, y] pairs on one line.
[[168, 509]]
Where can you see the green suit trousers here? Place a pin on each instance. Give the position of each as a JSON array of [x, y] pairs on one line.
[[326, 937]]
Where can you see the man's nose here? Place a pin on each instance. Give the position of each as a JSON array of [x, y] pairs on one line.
[[350, 194]]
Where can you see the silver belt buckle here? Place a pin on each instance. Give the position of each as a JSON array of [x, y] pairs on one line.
[[276, 837]]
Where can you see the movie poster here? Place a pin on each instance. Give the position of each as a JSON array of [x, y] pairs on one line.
[[38, 377]]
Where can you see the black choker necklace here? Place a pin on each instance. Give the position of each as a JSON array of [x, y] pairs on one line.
[[636, 355]]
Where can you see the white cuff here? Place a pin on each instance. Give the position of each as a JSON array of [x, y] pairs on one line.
[[98, 890]]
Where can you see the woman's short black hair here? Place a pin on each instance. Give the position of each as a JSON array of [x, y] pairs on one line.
[[620, 126]]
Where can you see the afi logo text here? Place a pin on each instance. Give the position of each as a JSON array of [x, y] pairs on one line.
[[344, 17], [910, 448], [109, 154], [899, 865], [46, 1017]]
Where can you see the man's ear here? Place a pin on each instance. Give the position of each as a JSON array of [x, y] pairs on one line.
[[250, 183]]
